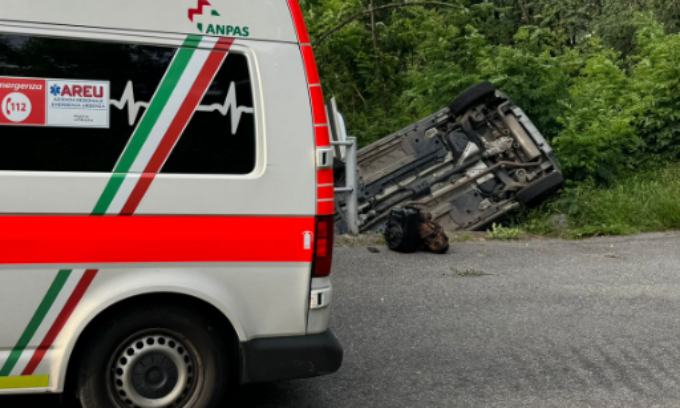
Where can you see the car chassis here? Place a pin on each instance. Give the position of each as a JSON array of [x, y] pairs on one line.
[[468, 164]]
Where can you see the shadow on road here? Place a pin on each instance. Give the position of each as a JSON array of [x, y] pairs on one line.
[[255, 396]]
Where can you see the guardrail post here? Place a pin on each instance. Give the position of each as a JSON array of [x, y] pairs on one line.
[[352, 201], [351, 186]]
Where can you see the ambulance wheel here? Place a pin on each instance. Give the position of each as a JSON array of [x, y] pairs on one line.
[[153, 358]]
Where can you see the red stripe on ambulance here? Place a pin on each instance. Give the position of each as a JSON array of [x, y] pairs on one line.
[[138, 194], [190, 104], [326, 207], [179, 123], [193, 246], [324, 177], [59, 324], [326, 193], [76, 240], [319, 118]]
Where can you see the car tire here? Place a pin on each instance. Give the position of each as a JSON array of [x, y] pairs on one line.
[[151, 357], [471, 97], [540, 188]]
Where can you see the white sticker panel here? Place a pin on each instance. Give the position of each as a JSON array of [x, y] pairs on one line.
[[78, 103]]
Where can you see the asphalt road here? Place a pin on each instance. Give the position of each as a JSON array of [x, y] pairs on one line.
[[528, 324]]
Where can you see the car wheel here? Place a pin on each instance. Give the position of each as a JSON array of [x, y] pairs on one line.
[[153, 358], [471, 97], [540, 188]]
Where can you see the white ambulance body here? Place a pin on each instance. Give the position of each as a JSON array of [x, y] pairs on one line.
[[166, 207]]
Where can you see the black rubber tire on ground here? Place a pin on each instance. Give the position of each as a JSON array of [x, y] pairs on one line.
[[208, 380], [471, 97], [540, 188]]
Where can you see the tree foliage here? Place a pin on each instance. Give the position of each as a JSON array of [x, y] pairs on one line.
[[601, 78]]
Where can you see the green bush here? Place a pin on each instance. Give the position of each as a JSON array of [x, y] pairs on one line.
[[648, 201], [597, 141], [622, 116], [609, 114], [600, 79]]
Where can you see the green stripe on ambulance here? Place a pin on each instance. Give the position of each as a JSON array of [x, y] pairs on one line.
[[178, 81]]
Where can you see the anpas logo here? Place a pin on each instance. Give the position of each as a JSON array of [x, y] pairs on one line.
[[205, 8]]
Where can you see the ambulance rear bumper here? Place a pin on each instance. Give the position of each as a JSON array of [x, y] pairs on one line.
[[290, 358]]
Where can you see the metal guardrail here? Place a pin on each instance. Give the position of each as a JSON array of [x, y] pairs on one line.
[[352, 206]]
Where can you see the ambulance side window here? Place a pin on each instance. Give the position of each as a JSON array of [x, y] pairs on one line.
[[136, 68], [220, 138]]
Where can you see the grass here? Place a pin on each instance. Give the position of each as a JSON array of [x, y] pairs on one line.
[[461, 237], [501, 233], [646, 202]]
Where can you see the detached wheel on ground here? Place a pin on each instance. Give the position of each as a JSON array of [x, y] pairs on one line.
[[472, 96], [154, 358]]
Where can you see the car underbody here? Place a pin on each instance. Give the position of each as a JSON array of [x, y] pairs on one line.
[[468, 164]]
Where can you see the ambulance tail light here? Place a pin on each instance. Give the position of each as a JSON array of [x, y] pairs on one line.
[[323, 246]]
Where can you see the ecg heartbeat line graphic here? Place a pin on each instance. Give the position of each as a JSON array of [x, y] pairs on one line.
[[230, 105]]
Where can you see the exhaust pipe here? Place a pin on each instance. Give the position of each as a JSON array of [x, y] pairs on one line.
[[523, 139]]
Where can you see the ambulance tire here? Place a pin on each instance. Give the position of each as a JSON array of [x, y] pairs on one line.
[[135, 338]]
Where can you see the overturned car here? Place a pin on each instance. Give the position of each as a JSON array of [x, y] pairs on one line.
[[468, 165]]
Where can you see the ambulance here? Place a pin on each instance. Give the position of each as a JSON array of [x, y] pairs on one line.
[[166, 200]]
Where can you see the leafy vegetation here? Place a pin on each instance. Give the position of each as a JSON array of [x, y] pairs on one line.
[[501, 233], [645, 202], [601, 79]]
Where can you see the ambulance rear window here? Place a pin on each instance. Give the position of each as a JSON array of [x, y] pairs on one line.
[[220, 138], [73, 105]]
